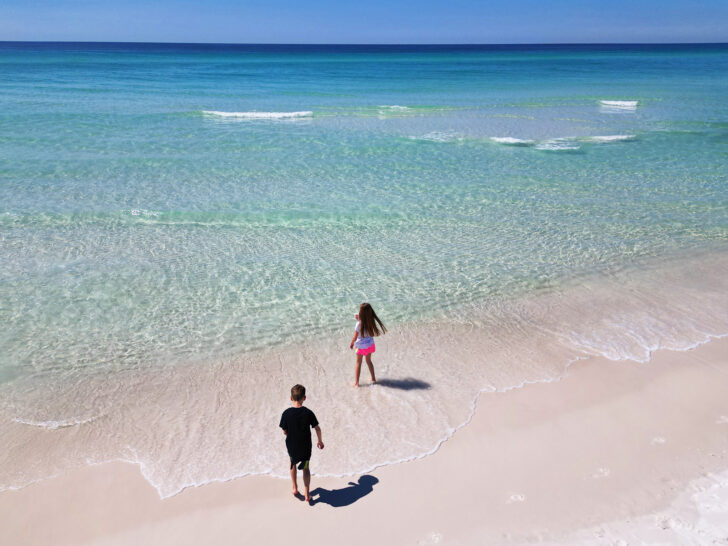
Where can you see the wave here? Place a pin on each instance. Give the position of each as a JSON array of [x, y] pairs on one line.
[[513, 141], [260, 115], [382, 110], [439, 136], [618, 105], [609, 138], [144, 212], [393, 110], [558, 144], [396, 110]]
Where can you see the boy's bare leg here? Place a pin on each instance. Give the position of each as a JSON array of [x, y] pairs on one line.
[[307, 483], [371, 367], [357, 370], [294, 473]]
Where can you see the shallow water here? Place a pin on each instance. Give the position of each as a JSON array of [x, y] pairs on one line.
[[188, 230]]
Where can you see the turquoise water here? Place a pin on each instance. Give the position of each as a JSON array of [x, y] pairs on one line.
[[161, 205]]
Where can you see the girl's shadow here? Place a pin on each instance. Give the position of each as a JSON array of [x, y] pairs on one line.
[[405, 384], [347, 495]]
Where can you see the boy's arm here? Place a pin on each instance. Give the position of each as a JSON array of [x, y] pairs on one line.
[[320, 443], [283, 424]]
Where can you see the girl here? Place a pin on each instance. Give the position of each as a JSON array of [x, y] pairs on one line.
[[368, 325]]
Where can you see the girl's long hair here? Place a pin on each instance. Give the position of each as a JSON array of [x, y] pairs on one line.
[[370, 323]]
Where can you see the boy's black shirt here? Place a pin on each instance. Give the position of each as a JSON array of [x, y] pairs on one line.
[[298, 422]]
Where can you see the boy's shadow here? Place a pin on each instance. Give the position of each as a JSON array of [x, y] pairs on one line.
[[347, 495]]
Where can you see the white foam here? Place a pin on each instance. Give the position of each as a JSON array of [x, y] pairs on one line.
[[143, 212], [260, 115], [393, 110], [512, 141], [221, 435], [620, 103], [439, 136], [558, 144], [53, 425], [697, 516], [562, 143], [610, 106], [609, 138]]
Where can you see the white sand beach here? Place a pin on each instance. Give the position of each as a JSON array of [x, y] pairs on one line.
[[615, 451]]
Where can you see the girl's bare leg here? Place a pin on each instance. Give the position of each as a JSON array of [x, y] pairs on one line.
[[357, 370], [371, 367]]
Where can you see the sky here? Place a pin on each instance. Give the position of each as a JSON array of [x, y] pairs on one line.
[[366, 22]]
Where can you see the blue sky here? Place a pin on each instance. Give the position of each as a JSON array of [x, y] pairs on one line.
[[373, 21]]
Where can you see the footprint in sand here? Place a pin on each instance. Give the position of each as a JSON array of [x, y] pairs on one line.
[[601, 472], [672, 523], [516, 497], [722, 420], [657, 440]]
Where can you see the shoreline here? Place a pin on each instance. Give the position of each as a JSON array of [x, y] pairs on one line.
[[216, 416], [608, 442]]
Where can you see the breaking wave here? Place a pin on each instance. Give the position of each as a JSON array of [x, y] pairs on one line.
[[618, 106], [260, 115]]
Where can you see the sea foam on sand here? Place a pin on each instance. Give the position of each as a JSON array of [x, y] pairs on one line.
[[551, 464], [697, 516]]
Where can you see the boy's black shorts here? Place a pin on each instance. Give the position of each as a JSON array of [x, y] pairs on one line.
[[302, 460]]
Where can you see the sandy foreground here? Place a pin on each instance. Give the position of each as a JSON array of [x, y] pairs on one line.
[[613, 453]]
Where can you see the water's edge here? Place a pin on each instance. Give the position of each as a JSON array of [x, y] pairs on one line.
[[214, 416]]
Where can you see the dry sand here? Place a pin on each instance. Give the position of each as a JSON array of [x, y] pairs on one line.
[[612, 442]]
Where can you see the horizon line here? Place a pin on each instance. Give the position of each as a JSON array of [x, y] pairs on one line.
[[360, 43]]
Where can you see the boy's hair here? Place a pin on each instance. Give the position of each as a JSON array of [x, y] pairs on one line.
[[370, 322], [298, 393]]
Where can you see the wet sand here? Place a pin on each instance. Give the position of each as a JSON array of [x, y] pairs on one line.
[[611, 442]]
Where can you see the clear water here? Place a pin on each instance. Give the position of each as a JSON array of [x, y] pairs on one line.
[[170, 210]]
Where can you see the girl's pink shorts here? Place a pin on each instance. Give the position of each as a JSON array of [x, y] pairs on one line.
[[367, 351]]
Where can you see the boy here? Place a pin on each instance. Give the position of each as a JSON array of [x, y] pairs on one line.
[[295, 423]]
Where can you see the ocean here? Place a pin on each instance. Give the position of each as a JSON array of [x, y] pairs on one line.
[[187, 230]]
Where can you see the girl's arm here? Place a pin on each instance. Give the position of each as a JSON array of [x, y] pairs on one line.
[[353, 340]]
